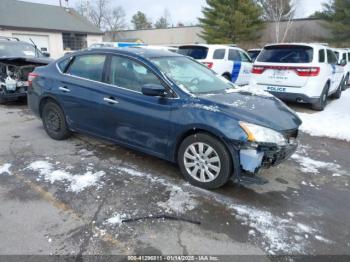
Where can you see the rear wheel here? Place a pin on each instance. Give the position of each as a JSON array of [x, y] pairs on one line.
[[337, 94], [54, 121], [322, 101], [204, 161], [227, 77], [2, 99], [346, 83]]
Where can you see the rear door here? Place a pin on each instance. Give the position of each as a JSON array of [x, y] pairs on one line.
[[241, 66], [337, 71], [282, 66], [131, 117], [246, 68]]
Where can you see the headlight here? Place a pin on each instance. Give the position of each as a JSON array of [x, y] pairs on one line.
[[261, 134]]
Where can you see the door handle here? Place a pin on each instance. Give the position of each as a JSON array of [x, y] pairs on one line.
[[64, 89], [110, 100]]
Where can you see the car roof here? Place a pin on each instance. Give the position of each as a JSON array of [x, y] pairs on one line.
[[313, 45], [212, 46], [136, 52]]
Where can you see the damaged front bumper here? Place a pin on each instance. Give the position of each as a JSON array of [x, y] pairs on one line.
[[254, 156]]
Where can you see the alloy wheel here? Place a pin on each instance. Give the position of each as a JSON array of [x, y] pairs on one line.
[[202, 162]]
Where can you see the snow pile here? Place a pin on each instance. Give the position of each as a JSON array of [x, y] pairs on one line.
[[309, 165], [333, 122], [77, 183], [204, 107], [5, 169]]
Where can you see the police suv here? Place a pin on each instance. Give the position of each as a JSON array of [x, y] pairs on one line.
[[344, 55], [231, 62], [304, 73]]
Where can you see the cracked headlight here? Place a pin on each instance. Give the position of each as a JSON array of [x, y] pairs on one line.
[[260, 134]]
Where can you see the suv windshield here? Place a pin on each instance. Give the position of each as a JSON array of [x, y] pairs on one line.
[[286, 54], [190, 75], [196, 52], [18, 49]]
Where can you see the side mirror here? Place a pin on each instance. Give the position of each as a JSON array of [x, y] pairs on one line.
[[343, 62], [46, 54], [153, 90]]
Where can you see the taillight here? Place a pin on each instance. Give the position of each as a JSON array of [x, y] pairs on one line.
[[308, 71], [31, 77], [258, 70], [208, 64]]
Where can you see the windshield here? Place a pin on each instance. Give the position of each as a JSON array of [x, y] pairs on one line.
[[192, 76], [18, 49], [286, 54]]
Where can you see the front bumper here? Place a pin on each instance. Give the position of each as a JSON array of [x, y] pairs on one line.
[[13, 95], [295, 97], [253, 157]]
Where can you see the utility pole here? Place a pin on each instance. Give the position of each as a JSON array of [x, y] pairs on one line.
[[60, 3]]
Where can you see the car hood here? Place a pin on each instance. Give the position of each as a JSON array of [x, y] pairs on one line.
[[258, 108], [26, 60]]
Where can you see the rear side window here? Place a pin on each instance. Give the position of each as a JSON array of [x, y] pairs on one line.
[[196, 52], [322, 56], [88, 66], [348, 57], [219, 54], [332, 58], [344, 57], [336, 54], [63, 64], [244, 57], [233, 55], [286, 54]]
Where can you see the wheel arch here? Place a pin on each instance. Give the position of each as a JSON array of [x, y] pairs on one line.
[[45, 100]]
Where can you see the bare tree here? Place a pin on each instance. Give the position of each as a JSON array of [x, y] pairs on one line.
[[281, 13], [96, 12], [115, 20]]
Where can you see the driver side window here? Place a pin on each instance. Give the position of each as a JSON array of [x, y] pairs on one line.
[[129, 74]]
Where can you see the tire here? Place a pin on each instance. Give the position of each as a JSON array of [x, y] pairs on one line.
[[191, 158], [54, 121], [337, 94], [2, 100], [346, 83], [320, 105], [227, 77]]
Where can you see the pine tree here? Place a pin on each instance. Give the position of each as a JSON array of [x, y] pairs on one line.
[[140, 21], [231, 21]]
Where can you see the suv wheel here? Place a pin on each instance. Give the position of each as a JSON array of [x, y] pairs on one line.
[[54, 121], [337, 94], [346, 83], [322, 101], [204, 161]]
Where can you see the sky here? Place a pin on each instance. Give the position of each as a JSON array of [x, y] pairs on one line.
[[185, 11]]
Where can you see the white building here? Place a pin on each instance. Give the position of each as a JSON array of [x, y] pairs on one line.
[[54, 29]]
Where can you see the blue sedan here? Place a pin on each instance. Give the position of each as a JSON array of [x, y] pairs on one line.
[[166, 105]]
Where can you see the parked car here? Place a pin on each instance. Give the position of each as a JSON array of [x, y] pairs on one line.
[[116, 44], [343, 55], [303, 73], [253, 53], [231, 62], [17, 60], [160, 47], [167, 105]]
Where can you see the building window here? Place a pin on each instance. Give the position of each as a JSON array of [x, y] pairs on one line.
[[73, 41]]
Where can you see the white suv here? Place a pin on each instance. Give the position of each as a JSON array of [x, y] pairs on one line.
[[343, 56], [231, 62], [304, 73]]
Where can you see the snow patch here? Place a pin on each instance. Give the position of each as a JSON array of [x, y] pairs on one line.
[[179, 201], [5, 169], [250, 89], [333, 122], [204, 107], [77, 183], [116, 220], [309, 165], [322, 239]]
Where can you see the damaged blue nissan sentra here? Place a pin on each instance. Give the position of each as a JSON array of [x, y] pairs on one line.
[[166, 105]]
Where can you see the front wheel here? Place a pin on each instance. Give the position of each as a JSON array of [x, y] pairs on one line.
[[205, 161], [346, 83], [337, 94], [54, 121]]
